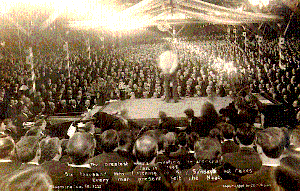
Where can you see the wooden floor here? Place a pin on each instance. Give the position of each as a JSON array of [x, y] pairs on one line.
[[149, 108]]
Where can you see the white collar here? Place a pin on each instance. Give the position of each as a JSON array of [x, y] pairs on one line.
[[5, 160], [273, 165], [80, 166], [35, 163], [297, 149], [227, 140]]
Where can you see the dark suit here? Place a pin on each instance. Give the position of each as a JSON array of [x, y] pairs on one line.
[[264, 179], [197, 178], [229, 146], [193, 126], [241, 163], [111, 163], [169, 124], [186, 159], [168, 166]]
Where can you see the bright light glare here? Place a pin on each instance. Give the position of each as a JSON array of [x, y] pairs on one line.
[[260, 3], [101, 13], [222, 66], [4, 7], [119, 23]]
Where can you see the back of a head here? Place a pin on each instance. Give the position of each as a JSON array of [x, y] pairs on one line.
[[109, 140], [246, 134], [287, 175], [241, 103], [7, 145], [63, 144], [125, 137], [26, 148], [189, 113], [30, 179], [81, 147], [208, 151], [227, 130], [272, 141], [295, 138], [193, 137], [215, 134], [162, 115], [169, 139], [182, 138], [209, 112], [50, 147], [207, 148], [146, 148]]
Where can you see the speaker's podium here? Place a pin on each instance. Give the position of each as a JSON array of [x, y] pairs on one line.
[[273, 114]]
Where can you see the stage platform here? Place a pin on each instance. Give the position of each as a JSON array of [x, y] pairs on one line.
[[137, 109], [144, 112]]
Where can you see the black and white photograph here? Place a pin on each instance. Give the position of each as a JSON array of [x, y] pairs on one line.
[[150, 95]]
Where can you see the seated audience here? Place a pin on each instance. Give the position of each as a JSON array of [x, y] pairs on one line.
[[78, 174], [203, 175], [125, 144], [228, 133], [294, 147], [185, 159], [208, 119], [50, 150], [166, 123], [287, 174], [193, 122], [270, 146], [109, 161], [7, 147], [246, 160], [193, 137], [146, 175], [215, 133], [26, 151]]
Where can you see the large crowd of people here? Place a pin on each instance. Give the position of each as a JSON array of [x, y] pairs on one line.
[[215, 151], [209, 67]]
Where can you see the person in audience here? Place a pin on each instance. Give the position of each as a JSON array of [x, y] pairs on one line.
[[105, 162], [287, 174], [33, 178], [270, 146], [125, 144], [182, 155], [64, 158], [294, 147], [7, 146], [78, 174], [215, 133], [146, 174], [246, 160], [208, 119], [203, 175], [193, 122], [166, 123], [193, 137], [50, 149], [228, 133], [26, 151]]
